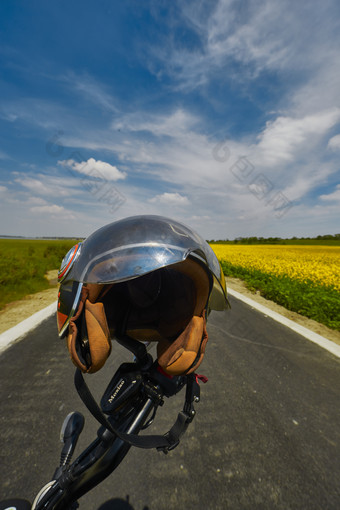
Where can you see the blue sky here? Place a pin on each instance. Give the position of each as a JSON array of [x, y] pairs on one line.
[[223, 114]]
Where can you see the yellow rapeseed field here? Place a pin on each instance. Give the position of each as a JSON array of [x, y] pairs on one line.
[[320, 264]]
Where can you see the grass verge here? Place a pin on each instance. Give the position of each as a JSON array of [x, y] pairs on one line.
[[318, 302], [24, 263]]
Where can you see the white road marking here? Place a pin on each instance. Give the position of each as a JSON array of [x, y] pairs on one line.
[[307, 333], [20, 330]]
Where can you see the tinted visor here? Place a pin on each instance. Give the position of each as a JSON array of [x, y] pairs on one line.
[[135, 246]]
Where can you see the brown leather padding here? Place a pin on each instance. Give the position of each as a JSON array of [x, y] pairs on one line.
[[201, 281], [71, 340], [180, 356], [98, 336], [96, 290], [186, 353]]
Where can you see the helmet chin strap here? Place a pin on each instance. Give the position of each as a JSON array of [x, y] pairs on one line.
[[170, 439], [165, 442]]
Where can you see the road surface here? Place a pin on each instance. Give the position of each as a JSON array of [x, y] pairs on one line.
[[266, 434]]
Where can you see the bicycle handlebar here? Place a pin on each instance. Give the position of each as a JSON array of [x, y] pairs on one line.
[[128, 411], [106, 452]]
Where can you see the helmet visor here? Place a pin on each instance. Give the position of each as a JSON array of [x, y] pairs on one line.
[[136, 246]]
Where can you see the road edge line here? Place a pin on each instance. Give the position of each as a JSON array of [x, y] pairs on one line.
[[11, 335], [301, 330]]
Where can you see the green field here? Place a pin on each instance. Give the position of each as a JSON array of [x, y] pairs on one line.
[[24, 264]]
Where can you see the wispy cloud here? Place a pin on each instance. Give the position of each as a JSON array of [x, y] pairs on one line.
[[332, 197], [46, 185], [186, 157], [91, 90], [267, 71], [269, 35], [3, 155], [54, 210], [46, 114], [334, 143], [174, 123], [284, 137]]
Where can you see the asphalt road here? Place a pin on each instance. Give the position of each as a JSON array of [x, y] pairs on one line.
[[266, 434]]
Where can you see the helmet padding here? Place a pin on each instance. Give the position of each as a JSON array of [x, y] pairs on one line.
[[167, 306]]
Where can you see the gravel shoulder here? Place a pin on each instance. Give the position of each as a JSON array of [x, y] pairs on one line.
[[17, 311]]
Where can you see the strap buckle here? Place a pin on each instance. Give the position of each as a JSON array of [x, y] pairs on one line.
[[184, 417]]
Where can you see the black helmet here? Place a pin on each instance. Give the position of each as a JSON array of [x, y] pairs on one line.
[[154, 274]]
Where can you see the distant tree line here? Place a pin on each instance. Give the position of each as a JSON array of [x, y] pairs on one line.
[[276, 240]]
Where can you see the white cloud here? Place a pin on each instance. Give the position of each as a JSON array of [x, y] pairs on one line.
[[46, 185], [172, 124], [332, 197], [32, 200], [267, 35], [54, 210], [334, 143], [284, 137], [237, 43], [170, 199], [169, 149], [48, 209], [248, 36], [95, 169], [286, 154], [303, 178], [34, 185]]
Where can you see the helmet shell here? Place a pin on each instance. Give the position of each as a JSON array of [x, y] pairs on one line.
[[133, 247]]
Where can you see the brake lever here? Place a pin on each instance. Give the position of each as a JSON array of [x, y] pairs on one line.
[[69, 435]]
